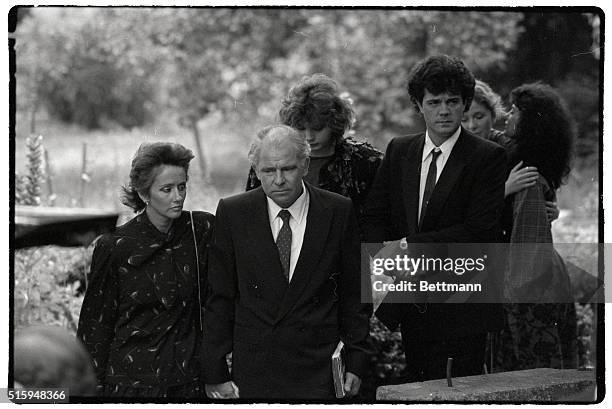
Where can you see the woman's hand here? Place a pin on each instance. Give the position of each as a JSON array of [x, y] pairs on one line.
[[552, 211], [521, 178]]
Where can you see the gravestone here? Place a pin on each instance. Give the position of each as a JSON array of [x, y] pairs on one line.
[[532, 385]]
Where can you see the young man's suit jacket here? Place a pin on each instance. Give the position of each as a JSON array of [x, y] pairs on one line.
[[283, 335], [465, 207]]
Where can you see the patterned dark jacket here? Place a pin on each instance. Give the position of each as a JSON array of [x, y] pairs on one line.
[[139, 319]]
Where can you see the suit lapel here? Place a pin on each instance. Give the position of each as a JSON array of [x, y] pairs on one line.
[[449, 176], [269, 270], [318, 223], [411, 177]]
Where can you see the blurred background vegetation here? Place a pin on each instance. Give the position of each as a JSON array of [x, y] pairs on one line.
[[97, 82], [113, 77]]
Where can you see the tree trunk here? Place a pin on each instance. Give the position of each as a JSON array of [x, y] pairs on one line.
[[200, 153]]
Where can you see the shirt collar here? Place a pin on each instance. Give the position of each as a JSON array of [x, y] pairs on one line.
[[298, 209], [446, 147]]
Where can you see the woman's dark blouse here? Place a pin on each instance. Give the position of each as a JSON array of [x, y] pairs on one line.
[[140, 318]]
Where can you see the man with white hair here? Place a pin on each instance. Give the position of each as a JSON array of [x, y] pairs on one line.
[[285, 283]]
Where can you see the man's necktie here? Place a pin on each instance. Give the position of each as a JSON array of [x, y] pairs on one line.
[[283, 242], [430, 182]]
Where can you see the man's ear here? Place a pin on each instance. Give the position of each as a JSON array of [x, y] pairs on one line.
[[420, 106], [306, 165]]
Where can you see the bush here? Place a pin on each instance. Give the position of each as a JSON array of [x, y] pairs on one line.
[[387, 361], [48, 280], [46, 291], [80, 70], [586, 357]]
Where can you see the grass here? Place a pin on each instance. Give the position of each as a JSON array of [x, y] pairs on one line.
[[109, 154]]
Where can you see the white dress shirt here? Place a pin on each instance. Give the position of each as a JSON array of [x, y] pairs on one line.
[[297, 222], [446, 147]]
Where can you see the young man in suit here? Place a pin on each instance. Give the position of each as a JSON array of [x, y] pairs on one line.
[[285, 283], [441, 186]]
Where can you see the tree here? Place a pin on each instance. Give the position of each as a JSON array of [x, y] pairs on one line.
[[128, 65], [89, 70], [372, 51], [561, 49], [221, 60]]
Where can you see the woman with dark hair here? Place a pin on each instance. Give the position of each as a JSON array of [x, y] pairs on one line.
[[485, 110], [542, 334], [338, 162], [543, 131], [141, 315]]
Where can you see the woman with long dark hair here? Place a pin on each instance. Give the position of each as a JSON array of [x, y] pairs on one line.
[[540, 327], [486, 109]]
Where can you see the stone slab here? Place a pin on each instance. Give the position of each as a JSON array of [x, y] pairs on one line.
[[533, 385]]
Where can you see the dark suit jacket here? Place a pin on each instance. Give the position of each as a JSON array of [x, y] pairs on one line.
[[465, 207], [283, 335]]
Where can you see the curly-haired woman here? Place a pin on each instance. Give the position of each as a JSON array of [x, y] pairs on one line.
[[485, 110], [338, 162], [540, 327]]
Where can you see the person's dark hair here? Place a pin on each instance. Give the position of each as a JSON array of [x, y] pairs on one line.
[[148, 158], [545, 131], [440, 74], [315, 102]]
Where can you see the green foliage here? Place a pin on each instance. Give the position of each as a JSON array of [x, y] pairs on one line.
[[122, 65], [48, 279], [561, 49], [371, 52], [129, 66], [48, 286], [386, 363], [586, 345], [581, 93], [553, 45], [90, 70], [28, 186], [389, 362]]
